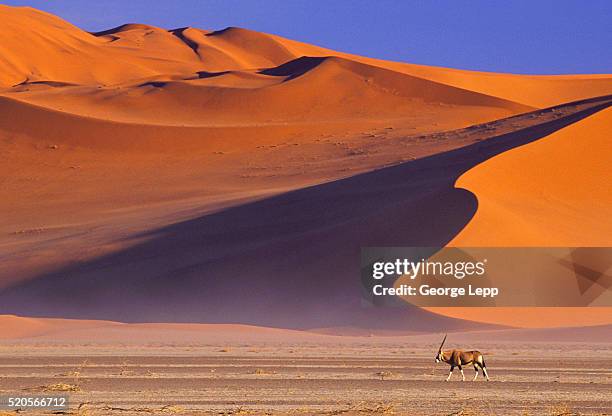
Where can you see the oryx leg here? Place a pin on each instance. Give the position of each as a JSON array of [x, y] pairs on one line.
[[476, 376], [450, 373], [484, 371], [462, 375]]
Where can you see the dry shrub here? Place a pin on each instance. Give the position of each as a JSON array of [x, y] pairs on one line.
[[263, 371], [169, 409], [385, 374], [238, 411], [61, 387], [380, 408], [172, 409], [55, 387], [563, 410]]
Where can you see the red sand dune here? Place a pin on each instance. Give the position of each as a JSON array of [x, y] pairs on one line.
[[66, 331], [143, 164], [553, 192], [20, 329], [310, 237], [281, 94], [40, 47]]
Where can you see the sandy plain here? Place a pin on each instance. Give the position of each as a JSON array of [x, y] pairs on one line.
[[257, 371]]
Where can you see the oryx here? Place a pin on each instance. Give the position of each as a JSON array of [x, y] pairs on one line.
[[458, 358]]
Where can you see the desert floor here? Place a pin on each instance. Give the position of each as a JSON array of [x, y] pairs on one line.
[[310, 377]]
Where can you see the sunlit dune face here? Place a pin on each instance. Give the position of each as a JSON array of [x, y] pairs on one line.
[[526, 317], [552, 192]]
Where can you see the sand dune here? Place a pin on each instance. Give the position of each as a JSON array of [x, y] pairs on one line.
[[141, 164], [21, 329], [534, 90], [15, 327], [47, 330], [529, 317], [346, 90], [42, 47], [553, 192], [198, 268], [39, 47]]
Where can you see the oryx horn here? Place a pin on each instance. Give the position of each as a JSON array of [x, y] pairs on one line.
[[441, 345]]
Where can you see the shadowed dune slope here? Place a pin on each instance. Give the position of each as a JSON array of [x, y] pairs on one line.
[[288, 260]]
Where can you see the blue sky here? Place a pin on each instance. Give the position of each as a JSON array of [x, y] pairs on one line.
[[520, 36]]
